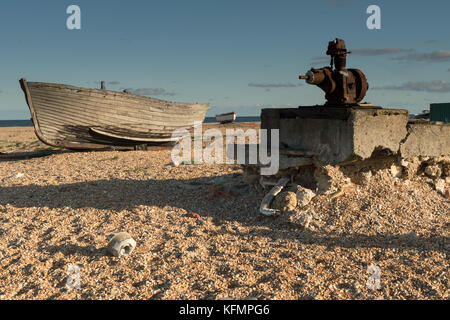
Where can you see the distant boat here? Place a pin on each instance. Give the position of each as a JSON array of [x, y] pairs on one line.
[[80, 118], [424, 115], [226, 117]]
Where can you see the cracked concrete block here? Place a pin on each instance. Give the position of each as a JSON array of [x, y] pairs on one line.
[[426, 139], [338, 135], [378, 129]]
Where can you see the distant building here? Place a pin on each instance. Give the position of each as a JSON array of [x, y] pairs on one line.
[[440, 112]]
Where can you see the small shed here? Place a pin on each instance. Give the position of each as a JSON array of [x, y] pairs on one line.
[[440, 112]]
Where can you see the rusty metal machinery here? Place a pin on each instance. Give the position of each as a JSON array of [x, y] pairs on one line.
[[343, 87]]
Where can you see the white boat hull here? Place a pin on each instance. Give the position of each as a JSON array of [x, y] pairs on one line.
[[226, 117]]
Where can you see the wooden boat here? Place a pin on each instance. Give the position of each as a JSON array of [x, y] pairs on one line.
[[80, 118], [424, 115], [226, 117]]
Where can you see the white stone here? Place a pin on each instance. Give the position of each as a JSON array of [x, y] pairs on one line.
[[396, 171], [304, 196], [439, 185], [302, 218], [433, 171]]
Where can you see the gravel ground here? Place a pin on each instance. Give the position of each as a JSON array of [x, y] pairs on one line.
[[58, 210]]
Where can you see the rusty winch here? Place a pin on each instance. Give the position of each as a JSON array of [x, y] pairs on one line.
[[343, 87]]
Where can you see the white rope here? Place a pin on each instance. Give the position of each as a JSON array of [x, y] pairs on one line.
[[265, 203]]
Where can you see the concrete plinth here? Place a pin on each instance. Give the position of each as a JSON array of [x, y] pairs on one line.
[[338, 135]]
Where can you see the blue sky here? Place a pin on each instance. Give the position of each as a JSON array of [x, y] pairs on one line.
[[236, 55]]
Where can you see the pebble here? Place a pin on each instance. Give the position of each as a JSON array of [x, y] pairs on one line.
[[304, 196], [439, 185], [266, 257], [285, 201], [433, 171]]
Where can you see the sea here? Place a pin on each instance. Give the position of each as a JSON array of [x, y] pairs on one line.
[[28, 123], [16, 123]]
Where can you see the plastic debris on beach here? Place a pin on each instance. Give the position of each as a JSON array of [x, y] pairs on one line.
[[121, 244]]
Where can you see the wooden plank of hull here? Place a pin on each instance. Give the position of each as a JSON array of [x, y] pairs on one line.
[[117, 101], [44, 107], [102, 96], [129, 138], [67, 116]]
